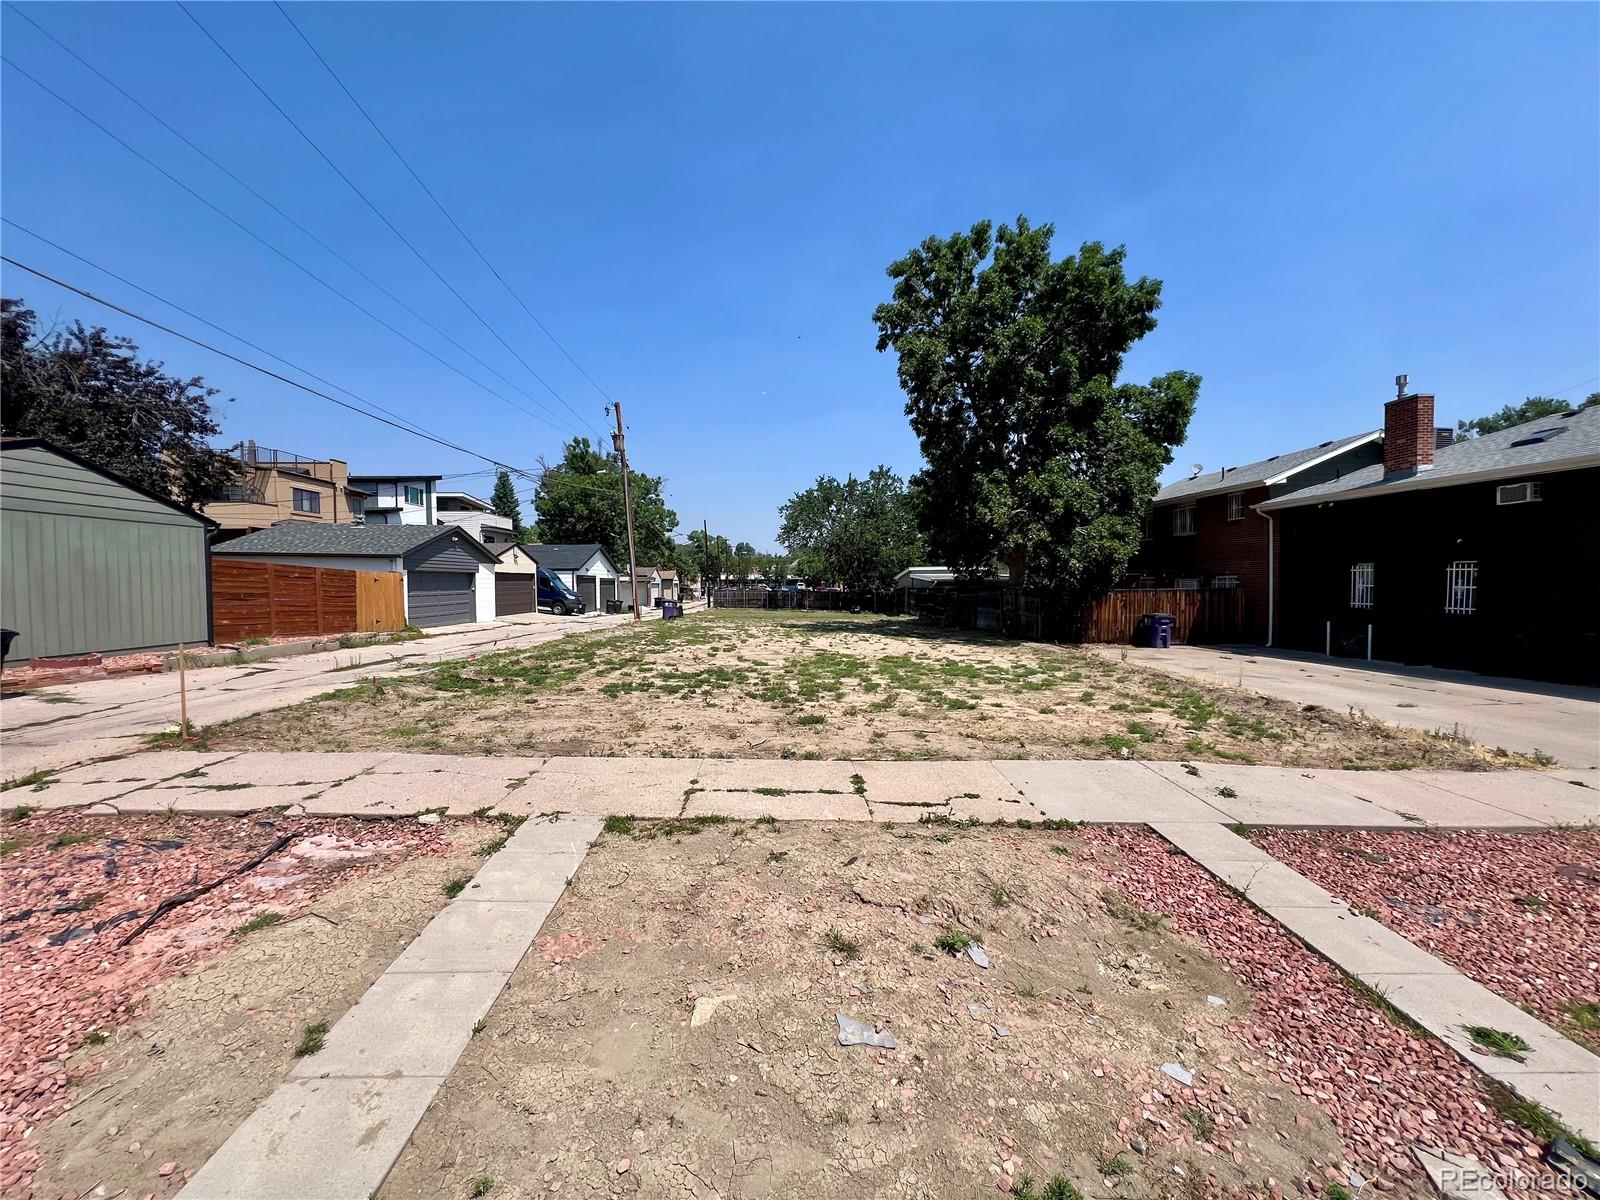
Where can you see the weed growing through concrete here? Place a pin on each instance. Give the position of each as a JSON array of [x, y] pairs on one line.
[[836, 940], [1227, 793], [767, 821], [858, 784], [1536, 1119], [312, 1040], [1379, 999], [259, 921], [456, 886], [23, 811], [479, 1026], [620, 825], [37, 780], [1497, 1041]]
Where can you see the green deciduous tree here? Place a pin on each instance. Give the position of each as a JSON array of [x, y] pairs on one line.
[[1037, 456], [710, 555], [504, 501], [1530, 409], [859, 533], [580, 500], [86, 391]]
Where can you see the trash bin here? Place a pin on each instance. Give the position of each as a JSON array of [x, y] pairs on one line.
[[670, 609], [613, 606], [1155, 630]]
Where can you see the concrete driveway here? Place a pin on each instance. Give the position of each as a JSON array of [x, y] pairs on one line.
[[1518, 714], [58, 726]]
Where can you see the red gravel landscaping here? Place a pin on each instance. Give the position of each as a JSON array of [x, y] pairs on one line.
[[73, 887], [1385, 1087], [1518, 912]]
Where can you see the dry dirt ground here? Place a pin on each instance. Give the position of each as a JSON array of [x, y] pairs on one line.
[[122, 1060], [592, 1077], [757, 684]]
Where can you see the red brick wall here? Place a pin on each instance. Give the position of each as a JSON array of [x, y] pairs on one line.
[[1407, 433], [1217, 547]]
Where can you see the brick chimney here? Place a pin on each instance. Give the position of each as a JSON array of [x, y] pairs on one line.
[[1408, 436]]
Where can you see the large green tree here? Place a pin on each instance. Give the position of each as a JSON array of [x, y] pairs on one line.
[[505, 503], [580, 500], [1511, 415], [859, 533], [88, 392], [1037, 456], [711, 555]]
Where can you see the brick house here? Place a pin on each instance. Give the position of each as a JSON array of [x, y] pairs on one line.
[[1204, 532], [1468, 554]]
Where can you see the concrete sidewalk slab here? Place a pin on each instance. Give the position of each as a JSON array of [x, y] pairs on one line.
[[1403, 794], [645, 787], [484, 936], [1126, 793], [316, 1139], [1538, 796], [799, 806], [1273, 887], [214, 800], [522, 877], [1355, 943], [797, 775], [1567, 1076], [279, 768], [70, 795], [406, 1025], [404, 795], [148, 767], [505, 767], [1275, 796], [1208, 842], [934, 782], [566, 835]]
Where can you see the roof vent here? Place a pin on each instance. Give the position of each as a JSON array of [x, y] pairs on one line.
[[1538, 437], [1324, 445]]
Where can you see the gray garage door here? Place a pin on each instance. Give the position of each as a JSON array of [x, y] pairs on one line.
[[439, 598], [513, 594], [588, 593], [608, 591]]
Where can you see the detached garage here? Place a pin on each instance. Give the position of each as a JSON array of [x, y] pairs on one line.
[[449, 574], [516, 582], [90, 562], [587, 569]]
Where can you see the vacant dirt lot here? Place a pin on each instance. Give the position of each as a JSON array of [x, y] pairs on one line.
[[593, 1077], [115, 1060], [755, 684]]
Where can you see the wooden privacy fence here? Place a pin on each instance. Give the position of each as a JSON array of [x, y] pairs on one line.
[[259, 599], [1203, 614]]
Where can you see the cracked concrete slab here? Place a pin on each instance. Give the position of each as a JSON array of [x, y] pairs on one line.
[[214, 800], [930, 782], [1407, 796], [1276, 796], [402, 795], [1358, 944], [797, 775], [645, 787], [1113, 792], [799, 806], [148, 767], [281, 768], [496, 767], [1548, 799]]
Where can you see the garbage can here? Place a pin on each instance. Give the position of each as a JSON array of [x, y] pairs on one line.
[[613, 606], [670, 609], [1155, 630]]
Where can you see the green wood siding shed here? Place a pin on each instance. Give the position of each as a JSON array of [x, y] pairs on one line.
[[90, 562]]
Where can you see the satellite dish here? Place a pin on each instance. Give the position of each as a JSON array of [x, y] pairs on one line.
[[1198, 467]]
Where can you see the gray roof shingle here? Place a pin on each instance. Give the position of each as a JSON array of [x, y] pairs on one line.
[[1231, 479], [1571, 440], [567, 557], [306, 537]]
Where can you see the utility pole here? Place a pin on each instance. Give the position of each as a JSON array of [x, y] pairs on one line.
[[627, 505], [705, 566]]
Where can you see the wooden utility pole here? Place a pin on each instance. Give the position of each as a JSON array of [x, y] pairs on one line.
[[705, 566], [627, 505]]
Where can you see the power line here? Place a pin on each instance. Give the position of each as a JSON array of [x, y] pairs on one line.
[[172, 304], [276, 209], [307, 271], [271, 374], [454, 224], [365, 199]]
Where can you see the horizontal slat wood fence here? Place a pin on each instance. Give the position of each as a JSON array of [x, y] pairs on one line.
[[1202, 614], [257, 599]]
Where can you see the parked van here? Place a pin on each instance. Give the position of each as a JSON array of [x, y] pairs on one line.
[[557, 595]]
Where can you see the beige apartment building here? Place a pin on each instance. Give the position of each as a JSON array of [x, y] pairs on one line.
[[277, 487]]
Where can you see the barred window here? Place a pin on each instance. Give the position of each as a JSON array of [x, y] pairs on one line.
[[1461, 586], [1361, 585], [1235, 506], [1183, 521]]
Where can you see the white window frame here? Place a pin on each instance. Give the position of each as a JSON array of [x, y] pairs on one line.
[[1183, 521], [1363, 581], [1225, 581], [1235, 506], [1461, 587], [1187, 584], [1531, 492], [420, 494]]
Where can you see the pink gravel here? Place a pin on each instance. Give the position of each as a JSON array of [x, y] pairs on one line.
[[64, 909], [1457, 896], [1385, 1088]]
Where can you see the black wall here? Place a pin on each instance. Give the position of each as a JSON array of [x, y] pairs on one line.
[[1538, 602]]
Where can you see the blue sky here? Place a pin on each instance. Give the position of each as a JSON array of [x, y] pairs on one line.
[[699, 201]]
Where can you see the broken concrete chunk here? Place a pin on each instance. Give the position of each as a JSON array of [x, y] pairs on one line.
[[977, 1010], [428, 818], [1182, 1074], [1216, 1001], [705, 1008], [858, 1033], [999, 1030], [976, 953]]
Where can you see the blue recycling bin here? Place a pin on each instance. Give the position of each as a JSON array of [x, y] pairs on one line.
[[1155, 630]]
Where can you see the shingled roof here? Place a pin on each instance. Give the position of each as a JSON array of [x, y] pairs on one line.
[[568, 557], [1268, 471], [315, 538], [1564, 442]]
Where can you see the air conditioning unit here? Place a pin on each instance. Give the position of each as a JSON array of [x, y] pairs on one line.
[[1518, 493]]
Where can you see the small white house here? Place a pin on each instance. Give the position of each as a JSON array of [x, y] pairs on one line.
[[476, 516], [397, 499], [449, 574], [586, 568]]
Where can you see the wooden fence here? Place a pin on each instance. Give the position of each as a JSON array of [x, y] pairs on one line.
[[1203, 614], [258, 599]]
